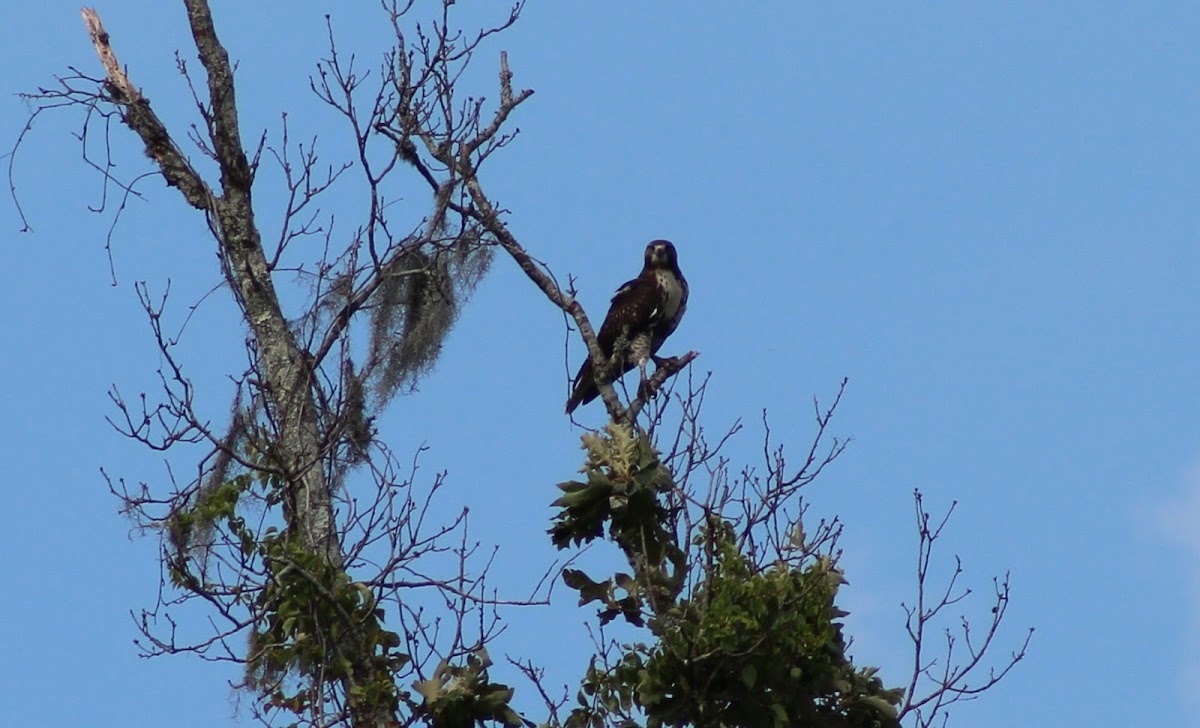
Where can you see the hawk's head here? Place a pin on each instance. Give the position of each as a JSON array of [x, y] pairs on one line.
[[661, 254]]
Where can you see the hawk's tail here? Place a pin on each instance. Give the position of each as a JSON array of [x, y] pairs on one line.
[[585, 387]]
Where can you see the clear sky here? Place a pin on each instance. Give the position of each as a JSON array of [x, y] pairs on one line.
[[984, 214]]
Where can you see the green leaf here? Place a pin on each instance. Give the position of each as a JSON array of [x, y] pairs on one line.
[[572, 486], [749, 675], [589, 591], [430, 689], [882, 706]]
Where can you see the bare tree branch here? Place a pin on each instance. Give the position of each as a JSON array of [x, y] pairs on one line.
[[946, 679], [137, 115]]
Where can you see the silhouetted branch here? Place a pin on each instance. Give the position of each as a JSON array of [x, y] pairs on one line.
[[946, 676]]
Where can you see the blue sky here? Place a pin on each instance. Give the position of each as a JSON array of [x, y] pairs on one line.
[[984, 215]]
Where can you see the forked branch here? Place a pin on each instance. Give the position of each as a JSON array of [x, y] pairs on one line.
[[953, 675]]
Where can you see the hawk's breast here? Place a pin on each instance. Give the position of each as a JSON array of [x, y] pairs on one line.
[[674, 303], [672, 295]]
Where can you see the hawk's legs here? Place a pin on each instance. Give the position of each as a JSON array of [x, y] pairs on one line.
[[644, 380]]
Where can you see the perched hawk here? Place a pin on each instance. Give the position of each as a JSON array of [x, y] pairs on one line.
[[646, 311]]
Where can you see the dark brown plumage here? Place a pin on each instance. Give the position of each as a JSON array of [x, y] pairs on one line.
[[644, 312]]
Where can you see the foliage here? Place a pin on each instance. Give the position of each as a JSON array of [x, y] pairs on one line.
[[759, 648], [624, 482], [311, 622], [463, 696], [318, 624], [747, 646]]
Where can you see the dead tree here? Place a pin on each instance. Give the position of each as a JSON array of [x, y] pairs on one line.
[[267, 531]]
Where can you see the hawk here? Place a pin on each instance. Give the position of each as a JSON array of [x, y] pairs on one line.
[[644, 312]]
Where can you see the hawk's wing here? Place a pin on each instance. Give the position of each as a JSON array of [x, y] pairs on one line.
[[635, 308]]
